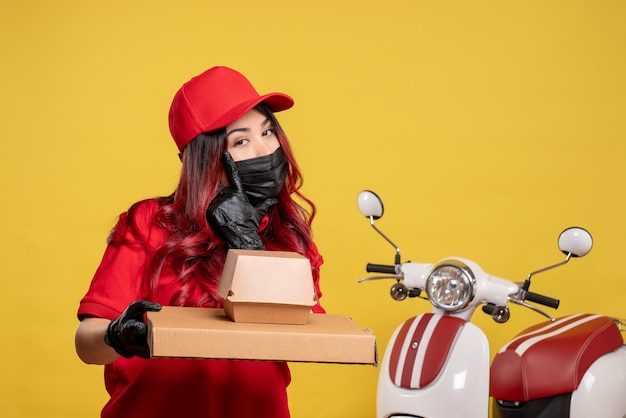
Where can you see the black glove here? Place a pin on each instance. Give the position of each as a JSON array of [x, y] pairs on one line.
[[232, 214], [128, 333]]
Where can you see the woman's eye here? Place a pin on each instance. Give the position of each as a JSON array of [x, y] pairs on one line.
[[270, 131], [240, 142]]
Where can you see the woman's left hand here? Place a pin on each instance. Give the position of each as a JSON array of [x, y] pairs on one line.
[[232, 214]]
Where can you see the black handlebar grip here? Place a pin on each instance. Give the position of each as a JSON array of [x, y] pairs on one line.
[[380, 268], [543, 300]]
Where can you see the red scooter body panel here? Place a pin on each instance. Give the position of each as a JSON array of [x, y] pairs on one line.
[[551, 358], [410, 372]]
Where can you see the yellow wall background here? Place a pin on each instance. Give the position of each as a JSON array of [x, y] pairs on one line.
[[486, 126]]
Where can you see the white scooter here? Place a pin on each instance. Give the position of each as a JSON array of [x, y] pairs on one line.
[[437, 364]]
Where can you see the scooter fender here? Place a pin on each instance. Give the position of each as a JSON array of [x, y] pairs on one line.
[[600, 393], [435, 366]]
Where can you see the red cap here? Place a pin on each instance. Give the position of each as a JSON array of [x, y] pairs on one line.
[[214, 99]]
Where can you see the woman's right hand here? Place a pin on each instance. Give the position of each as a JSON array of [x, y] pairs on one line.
[[127, 335]]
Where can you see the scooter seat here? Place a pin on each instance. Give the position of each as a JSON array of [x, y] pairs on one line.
[[551, 358]]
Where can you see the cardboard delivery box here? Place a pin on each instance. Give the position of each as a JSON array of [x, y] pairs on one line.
[[271, 287], [208, 333]]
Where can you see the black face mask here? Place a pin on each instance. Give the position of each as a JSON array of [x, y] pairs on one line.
[[263, 177]]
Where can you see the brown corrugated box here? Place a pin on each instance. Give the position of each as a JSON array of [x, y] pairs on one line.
[[209, 333], [271, 287]]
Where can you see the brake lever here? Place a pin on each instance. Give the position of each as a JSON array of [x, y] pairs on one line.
[[368, 278], [531, 307]]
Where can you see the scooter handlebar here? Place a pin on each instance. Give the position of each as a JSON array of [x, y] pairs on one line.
[[380, 268], [542, 300]]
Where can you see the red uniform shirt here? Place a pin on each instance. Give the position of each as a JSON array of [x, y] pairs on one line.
[[175, 388]]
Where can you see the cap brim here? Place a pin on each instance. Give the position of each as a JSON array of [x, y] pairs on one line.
[[277, 102]]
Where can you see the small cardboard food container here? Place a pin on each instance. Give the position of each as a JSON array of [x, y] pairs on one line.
[[206, 333], [270, 287]]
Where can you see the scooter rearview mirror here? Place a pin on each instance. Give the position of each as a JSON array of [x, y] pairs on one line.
[[370, 205], [575, 241]]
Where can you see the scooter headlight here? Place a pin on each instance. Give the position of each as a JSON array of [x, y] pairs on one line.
[[450, 286]]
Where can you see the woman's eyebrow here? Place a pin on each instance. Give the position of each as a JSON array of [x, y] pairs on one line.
[[245, 129], [237, 130]]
